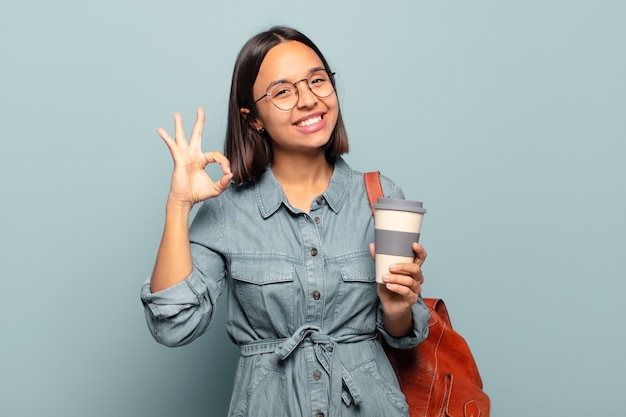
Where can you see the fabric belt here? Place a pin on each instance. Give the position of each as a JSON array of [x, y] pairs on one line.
[[342, 384]]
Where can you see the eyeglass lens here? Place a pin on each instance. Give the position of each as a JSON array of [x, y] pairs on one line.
[[285, 94]]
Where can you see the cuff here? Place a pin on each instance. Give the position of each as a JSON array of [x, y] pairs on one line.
[[170, 301], [421, 315]]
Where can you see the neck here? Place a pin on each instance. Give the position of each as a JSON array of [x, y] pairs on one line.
[[302, 171], [302, 178]]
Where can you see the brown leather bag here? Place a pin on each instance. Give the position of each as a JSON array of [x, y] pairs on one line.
[[439, 377]]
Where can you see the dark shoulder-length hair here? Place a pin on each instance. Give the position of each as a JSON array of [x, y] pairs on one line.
[[248, 150]]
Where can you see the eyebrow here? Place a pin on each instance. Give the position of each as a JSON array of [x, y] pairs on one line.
[[273, 83]]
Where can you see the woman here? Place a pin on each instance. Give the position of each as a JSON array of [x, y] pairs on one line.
[[288, 226]]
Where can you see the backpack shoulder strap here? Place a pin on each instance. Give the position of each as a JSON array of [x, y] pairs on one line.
[[373, 187]]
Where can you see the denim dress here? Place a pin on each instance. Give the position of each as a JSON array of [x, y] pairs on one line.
[[302, 303]]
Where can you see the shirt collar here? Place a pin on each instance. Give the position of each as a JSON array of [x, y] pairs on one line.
[[270, 195]]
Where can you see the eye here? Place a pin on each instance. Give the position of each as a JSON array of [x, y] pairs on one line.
[[282, 91], [318, 78]]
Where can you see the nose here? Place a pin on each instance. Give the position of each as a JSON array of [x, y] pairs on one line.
[[306, 97]]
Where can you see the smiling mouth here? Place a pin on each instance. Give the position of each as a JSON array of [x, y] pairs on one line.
[[309, 122]]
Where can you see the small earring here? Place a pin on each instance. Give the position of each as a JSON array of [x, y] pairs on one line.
[[260, 130]]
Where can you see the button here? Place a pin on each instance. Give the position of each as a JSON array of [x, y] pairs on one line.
[[316, 295], [313, 252], [316, 220], [319, 200], [317, 375]]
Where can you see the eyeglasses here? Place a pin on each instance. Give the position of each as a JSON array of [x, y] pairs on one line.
[[285, 94]]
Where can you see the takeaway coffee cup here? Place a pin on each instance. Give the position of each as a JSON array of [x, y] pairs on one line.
[[397, 225]]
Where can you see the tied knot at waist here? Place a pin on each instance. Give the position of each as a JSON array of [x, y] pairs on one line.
[[312, 334], [343, 387]]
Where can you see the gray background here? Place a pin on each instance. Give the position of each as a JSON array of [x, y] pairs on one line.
[[505, 117]]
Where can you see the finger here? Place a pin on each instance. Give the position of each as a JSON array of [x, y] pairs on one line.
[[420, 253], [168, 140], [414, 271], [220, 158], [410, 293], [405, 268], [405, 280], [196, 134], [179, 131], [373, 250], [418, 276], [224, 182], [164, 135]]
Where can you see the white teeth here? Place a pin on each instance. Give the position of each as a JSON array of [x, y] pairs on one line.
[[309, 122]]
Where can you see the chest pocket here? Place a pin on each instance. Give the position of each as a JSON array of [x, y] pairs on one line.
[[357, 299], [265, 291]]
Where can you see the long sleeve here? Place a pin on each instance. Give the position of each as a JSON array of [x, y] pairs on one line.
[[179, 314], [421, 315]]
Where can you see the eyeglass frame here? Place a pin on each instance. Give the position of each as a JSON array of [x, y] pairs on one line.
[[331, 78]]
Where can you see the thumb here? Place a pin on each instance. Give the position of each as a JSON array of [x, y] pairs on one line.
[[372, 250], [224, 182]]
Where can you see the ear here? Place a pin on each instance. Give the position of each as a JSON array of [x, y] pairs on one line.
[[256, 124]]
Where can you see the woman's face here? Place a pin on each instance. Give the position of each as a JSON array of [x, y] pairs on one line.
[[308, 126]]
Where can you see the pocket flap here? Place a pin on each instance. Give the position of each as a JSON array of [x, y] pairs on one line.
[[261, 272], [360, 269]]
